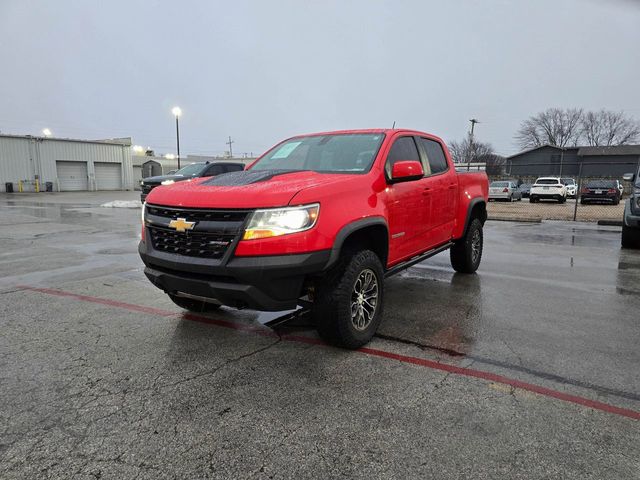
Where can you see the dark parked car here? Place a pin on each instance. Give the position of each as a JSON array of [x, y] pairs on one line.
[[525, 189], [194, 170], [631, 219], [600, 191]]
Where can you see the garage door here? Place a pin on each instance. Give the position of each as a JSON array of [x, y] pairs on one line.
[[137, 176], [108, 176], [72, 176]]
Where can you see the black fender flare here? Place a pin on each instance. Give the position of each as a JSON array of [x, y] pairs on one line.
[[470, 208], [350, 228]]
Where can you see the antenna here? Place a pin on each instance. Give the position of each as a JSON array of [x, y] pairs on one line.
[[394, 125]]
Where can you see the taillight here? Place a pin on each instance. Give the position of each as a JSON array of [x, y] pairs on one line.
[[506, 190], [585, 190], [612, 190]]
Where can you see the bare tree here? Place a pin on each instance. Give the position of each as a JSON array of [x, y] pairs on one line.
[[469, 151], [555, 126], [607, 128]]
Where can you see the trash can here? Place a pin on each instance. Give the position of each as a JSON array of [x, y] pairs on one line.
[[8, 187], [48, 186]]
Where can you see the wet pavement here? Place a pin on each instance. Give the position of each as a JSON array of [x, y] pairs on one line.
[[529, 369]]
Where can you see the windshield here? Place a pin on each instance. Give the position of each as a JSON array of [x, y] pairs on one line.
[[337, 153], [499, 184], [193, 169], [568, 181]]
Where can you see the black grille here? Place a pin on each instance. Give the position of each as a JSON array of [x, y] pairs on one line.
[[199, 215], [191, 244], [213, 233]]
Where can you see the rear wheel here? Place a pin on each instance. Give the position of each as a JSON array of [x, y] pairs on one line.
[[349, 301], [193, 305], [630, 237], [466, 253]]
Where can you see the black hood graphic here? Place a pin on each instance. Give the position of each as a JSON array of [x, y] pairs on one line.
[[245, 177]]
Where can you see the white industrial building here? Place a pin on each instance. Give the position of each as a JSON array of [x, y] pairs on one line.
[[28, 163], [67, 164]]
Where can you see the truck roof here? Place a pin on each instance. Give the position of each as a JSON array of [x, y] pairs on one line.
[[370, 130]]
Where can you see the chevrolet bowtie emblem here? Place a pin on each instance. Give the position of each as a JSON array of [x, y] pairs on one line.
[[181, 224]]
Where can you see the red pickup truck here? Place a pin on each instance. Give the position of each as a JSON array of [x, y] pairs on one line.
[[319, 220]]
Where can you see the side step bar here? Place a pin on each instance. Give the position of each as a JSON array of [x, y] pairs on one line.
[[417, 259]]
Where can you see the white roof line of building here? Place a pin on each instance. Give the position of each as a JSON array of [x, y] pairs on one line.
[[126, 142]]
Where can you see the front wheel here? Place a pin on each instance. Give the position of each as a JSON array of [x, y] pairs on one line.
[[349, 301], [466, 253]]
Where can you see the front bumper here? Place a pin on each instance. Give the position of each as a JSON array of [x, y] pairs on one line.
[[269, 283], [630, 219]]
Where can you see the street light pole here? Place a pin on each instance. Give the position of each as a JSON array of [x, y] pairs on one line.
[[177, 111], [473, 124], [178, 140]]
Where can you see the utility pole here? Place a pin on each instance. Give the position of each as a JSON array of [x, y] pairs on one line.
[[473, 124], [230, 142]]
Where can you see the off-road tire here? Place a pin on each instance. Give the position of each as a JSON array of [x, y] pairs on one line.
[[464, 258], [630, 237], [562, 200], [332, 309], [196, 306]]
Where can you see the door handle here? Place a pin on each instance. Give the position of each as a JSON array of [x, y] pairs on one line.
[[426, 190], [452, 186]]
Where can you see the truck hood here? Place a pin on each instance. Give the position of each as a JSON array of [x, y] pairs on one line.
[[245, 189]]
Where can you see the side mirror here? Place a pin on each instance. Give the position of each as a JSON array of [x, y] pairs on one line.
[[629, 177], [406, 170]]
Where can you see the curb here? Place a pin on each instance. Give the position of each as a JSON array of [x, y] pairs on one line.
[[610, 223], [516, 219]]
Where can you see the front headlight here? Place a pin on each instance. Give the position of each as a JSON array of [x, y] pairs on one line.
[[637, 195], [167, 182], [281, 221]]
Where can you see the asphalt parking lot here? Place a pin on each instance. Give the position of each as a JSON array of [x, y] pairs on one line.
[[528, 369]]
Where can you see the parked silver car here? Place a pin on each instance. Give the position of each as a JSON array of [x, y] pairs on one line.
[[504, 190]]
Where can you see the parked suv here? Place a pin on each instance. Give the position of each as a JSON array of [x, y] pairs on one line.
[[601, 191], [193, 170], [631, 219], [548, 188], [572, 187], [319, 220]]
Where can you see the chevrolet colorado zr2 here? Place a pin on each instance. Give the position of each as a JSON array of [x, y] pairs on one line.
[[319, 220]]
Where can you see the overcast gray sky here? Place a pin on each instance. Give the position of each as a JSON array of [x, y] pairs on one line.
[[261, 71]]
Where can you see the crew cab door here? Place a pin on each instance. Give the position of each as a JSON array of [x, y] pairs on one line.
[[443, 192], [407, 202]]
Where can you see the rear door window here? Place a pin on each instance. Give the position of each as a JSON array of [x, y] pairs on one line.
[[435, 155]]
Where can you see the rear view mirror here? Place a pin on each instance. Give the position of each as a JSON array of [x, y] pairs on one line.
[[629, 177], [406, 170]]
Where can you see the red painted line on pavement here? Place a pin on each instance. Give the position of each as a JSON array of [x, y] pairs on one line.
[[445, 367]]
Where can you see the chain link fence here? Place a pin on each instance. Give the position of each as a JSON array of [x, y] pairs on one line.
[[596, 192]]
